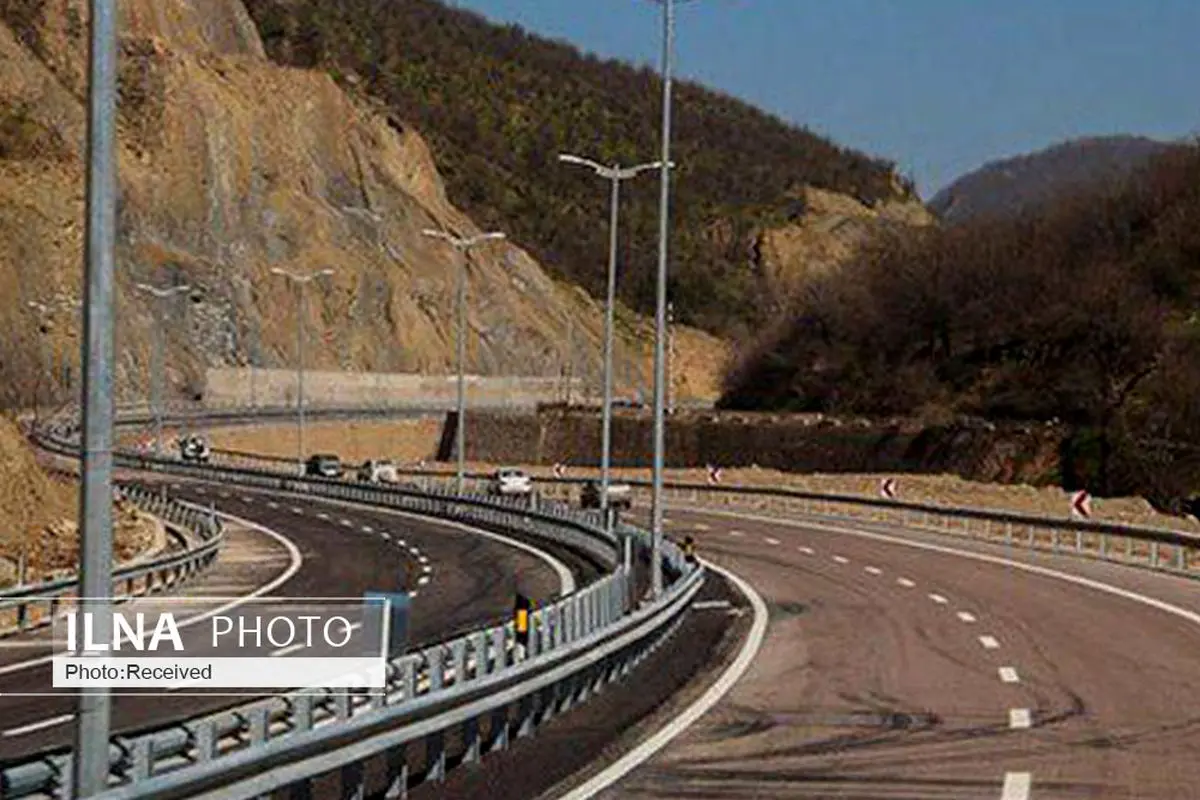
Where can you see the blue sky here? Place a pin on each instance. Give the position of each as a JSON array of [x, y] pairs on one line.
[[939, 86]]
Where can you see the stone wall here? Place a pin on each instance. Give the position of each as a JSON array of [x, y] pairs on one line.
[[795, 443]]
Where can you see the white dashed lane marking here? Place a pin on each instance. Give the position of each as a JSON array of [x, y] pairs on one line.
[[808, 551], [297, 510], [1019, 718], [769, 540], [426, 569], [873, 570], [1009, 675], [966, 616], [1016, 786], [736, 533], [347, 523], [905, 582], [700, 526], [38, 726], [937, 598], [367, 529], [272, 504], [989, 642], [424, 579], [322, 515], [841, 559]]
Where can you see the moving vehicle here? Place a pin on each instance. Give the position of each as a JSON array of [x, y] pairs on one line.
[[194, 449], [378, 470], [324, 465], [510, 481], [620, 495]]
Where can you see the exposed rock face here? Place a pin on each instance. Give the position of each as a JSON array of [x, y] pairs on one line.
[[231, 166], [823, 232]]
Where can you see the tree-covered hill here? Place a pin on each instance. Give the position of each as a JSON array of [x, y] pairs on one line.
[[499, 104], [1083, 311]]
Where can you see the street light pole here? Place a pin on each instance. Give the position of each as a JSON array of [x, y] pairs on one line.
[[615, 174], [301, 281], [158, 357], [463, 246], [90, 765], [660, 306]]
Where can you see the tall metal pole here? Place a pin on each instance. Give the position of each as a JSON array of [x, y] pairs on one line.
[[157, 368], [90, 764], [463, 246], [660, 309], [460, 429], [610, 300], [300, 377]]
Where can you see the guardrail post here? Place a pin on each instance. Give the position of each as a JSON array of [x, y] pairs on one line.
[[1180, 557], [527, 713], [341, 702], [499, 654], [1078, 541], [408, 677], [1154, 554], [433, 658], [397, 773], [471, 746], [479, 650], [258, 725], [302, 712], [458, 649], [435, 757], [205, 740], [1129, 548]]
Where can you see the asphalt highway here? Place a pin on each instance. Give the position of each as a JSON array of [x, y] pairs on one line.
[[894, 671], [457, 578]]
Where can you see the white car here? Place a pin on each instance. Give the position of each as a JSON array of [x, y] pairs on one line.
[[379, 470], [510, 481]]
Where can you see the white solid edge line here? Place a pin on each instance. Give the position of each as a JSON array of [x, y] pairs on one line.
[[1009, 675], [1016, 786], [1033, 569], [647, 749], [49, 722], [270, 586]]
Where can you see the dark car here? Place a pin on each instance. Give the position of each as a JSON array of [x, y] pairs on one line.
[[324, 465]]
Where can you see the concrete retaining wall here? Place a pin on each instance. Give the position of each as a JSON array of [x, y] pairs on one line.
[[274, 387], [974, 451]]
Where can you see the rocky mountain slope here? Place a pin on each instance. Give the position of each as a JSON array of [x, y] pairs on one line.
[[1029, 181], [498, 104], [230, 166]]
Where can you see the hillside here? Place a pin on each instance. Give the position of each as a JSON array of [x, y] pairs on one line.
[[1026, 182], [1082, 312], [231, 165], [498, 104]]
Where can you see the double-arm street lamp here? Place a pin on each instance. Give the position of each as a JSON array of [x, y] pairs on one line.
[[464, 246], [615, 174], [158, 365], [301, 281]]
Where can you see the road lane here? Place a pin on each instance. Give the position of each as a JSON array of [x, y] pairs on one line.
[[461, 580], [869, 687]]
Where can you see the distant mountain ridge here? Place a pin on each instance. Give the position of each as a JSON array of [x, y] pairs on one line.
[[1025, 182]]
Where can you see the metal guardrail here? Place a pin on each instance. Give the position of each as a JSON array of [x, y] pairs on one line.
[[1138, 545], [575, 644], [30, 606]]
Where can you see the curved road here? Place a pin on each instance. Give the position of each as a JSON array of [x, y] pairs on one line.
[[894, 671], [459, 579]]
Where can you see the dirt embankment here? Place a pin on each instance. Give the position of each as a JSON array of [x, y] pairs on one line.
[[38, 513]]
